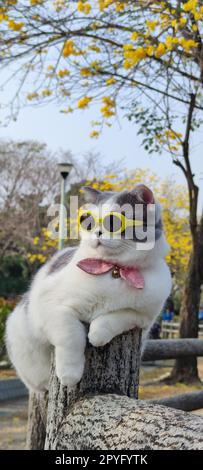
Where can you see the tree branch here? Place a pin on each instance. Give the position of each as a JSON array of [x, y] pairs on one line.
[[112, 422], [193, 189]]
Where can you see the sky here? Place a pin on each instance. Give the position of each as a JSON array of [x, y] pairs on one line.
[[71, 132]]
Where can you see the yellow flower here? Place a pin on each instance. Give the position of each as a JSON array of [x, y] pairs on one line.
[[197, 15], [134, 36], [3, 17], [67, 111], [110, 81], [15, 26], [41, 258], [190, 5], [94, 134], [187, 44], [85, 72], [68, 48], [107, 100], [120, 6], [46, 92], [132, 55], [36, 2], [174, 23], [36, 241], [108, 109], [83, 102], [32, 96], [32, 258], [169, 42], [161, 50], [104, 4], [96, 64], [151, 25], [182, 20], [84, 7], [12, 2], [63, 73], [150, 50], [94, 48]]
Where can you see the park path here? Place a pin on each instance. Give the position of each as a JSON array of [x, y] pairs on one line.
[[13, 424]]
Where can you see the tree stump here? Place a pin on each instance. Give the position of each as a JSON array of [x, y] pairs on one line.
[[112, 369], [102, 411]]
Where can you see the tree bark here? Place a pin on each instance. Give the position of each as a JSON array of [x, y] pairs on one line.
[[185, 369], [102, 412], [113, 368], [113, 422], [37, 417]]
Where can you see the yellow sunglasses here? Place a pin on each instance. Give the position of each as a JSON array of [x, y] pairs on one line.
[[112, 222]]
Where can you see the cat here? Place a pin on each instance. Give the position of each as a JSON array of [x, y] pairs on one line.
[[64, 296]]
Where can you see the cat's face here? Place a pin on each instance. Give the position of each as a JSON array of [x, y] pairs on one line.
[[123, 226]]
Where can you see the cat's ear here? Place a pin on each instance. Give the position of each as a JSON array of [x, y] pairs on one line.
[[91, 194], [144, 194]]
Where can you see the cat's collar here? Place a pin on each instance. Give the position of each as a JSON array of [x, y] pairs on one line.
[[97, 266]]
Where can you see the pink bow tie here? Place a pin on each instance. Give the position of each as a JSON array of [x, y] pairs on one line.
[[97, 266]]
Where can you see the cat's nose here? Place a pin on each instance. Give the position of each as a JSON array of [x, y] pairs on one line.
[[98, 233]]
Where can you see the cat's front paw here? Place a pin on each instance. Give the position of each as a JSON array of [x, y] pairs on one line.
[[71, 376], [99, 336]]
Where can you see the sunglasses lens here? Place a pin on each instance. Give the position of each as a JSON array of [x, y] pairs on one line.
[[112, 223], [87, 222]]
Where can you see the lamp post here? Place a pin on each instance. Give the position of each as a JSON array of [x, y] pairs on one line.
[[64, 169]]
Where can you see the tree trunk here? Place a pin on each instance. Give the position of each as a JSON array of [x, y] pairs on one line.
[[113, 368], [113, 422], [37, 417], [102, 413], [185, 369]]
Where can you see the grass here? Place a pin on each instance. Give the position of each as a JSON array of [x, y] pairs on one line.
[[151, 387]]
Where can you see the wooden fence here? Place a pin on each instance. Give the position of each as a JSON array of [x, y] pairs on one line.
[[161, 349], [170, 329]]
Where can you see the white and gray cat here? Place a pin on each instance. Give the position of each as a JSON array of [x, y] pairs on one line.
[[63, 297]]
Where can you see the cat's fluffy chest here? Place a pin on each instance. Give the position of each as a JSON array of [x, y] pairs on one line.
[[98, 295], [91, 296], [70, 289]]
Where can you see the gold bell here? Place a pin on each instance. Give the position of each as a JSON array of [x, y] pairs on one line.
[[116, 272]]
